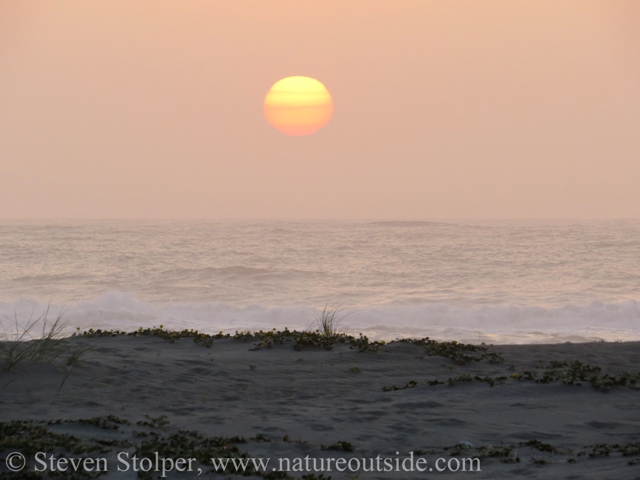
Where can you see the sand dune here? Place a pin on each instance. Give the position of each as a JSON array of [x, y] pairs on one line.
[[305, 401]]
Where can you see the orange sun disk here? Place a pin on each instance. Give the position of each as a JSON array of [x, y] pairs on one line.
[[298, 105]]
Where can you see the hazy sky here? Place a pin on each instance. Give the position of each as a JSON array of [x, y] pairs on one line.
[[443, 109]]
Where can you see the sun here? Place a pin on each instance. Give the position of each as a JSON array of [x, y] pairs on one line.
[[298, 105]]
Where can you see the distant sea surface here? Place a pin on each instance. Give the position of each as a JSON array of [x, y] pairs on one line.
[[491, 281]]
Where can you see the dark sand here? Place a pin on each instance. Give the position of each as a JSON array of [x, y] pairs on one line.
[[314, 398]]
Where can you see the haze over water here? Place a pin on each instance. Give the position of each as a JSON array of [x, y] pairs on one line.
[[497, 281]]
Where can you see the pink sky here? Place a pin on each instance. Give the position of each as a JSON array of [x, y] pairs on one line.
[[443, 109]]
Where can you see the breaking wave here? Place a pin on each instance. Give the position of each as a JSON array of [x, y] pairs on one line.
[[596, 321]]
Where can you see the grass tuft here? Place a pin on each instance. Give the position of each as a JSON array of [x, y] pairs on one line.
[[328, 321], [20, 345]]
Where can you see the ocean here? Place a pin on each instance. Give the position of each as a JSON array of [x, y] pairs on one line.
[[472, 281]]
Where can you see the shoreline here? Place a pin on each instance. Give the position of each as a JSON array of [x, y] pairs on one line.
[[516, 407], [497, 324]]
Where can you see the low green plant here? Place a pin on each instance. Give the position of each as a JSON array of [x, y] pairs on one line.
[[105, 422], [298, 440], [154, 422], [456, 351], [576, 373], [538, 445], [491, 381], [261, 338], [340, 446], [393, 388]]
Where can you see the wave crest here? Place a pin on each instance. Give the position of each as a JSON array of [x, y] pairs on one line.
[[498, 325]]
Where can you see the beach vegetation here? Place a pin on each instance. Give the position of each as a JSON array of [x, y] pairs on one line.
[[170, 335], [299, 441], [603, 450], [48, 346], [496, 451], [105, 422], [154, 422], [159, 436], [577, 373], [464, 378], [393, 388], [341, 446], [30, 437], [305, 340], [261, 339], [569, 373], [328, 321], [327, 335], [456, 351], [72, 360], [503, 453], [491, 381], [602, 383], [538, 445], [23, 345], [509, 453], [606, 450], [355, 370]]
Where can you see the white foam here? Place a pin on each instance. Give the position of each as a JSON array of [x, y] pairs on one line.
[[529, 324]]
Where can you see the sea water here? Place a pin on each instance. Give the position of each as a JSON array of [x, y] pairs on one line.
[[472, 281]]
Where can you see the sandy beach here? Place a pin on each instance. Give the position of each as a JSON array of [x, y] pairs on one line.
[[315, 240], [512, 407]]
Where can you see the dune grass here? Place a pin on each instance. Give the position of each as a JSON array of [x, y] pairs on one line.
[[24, 345], [328, 320]]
